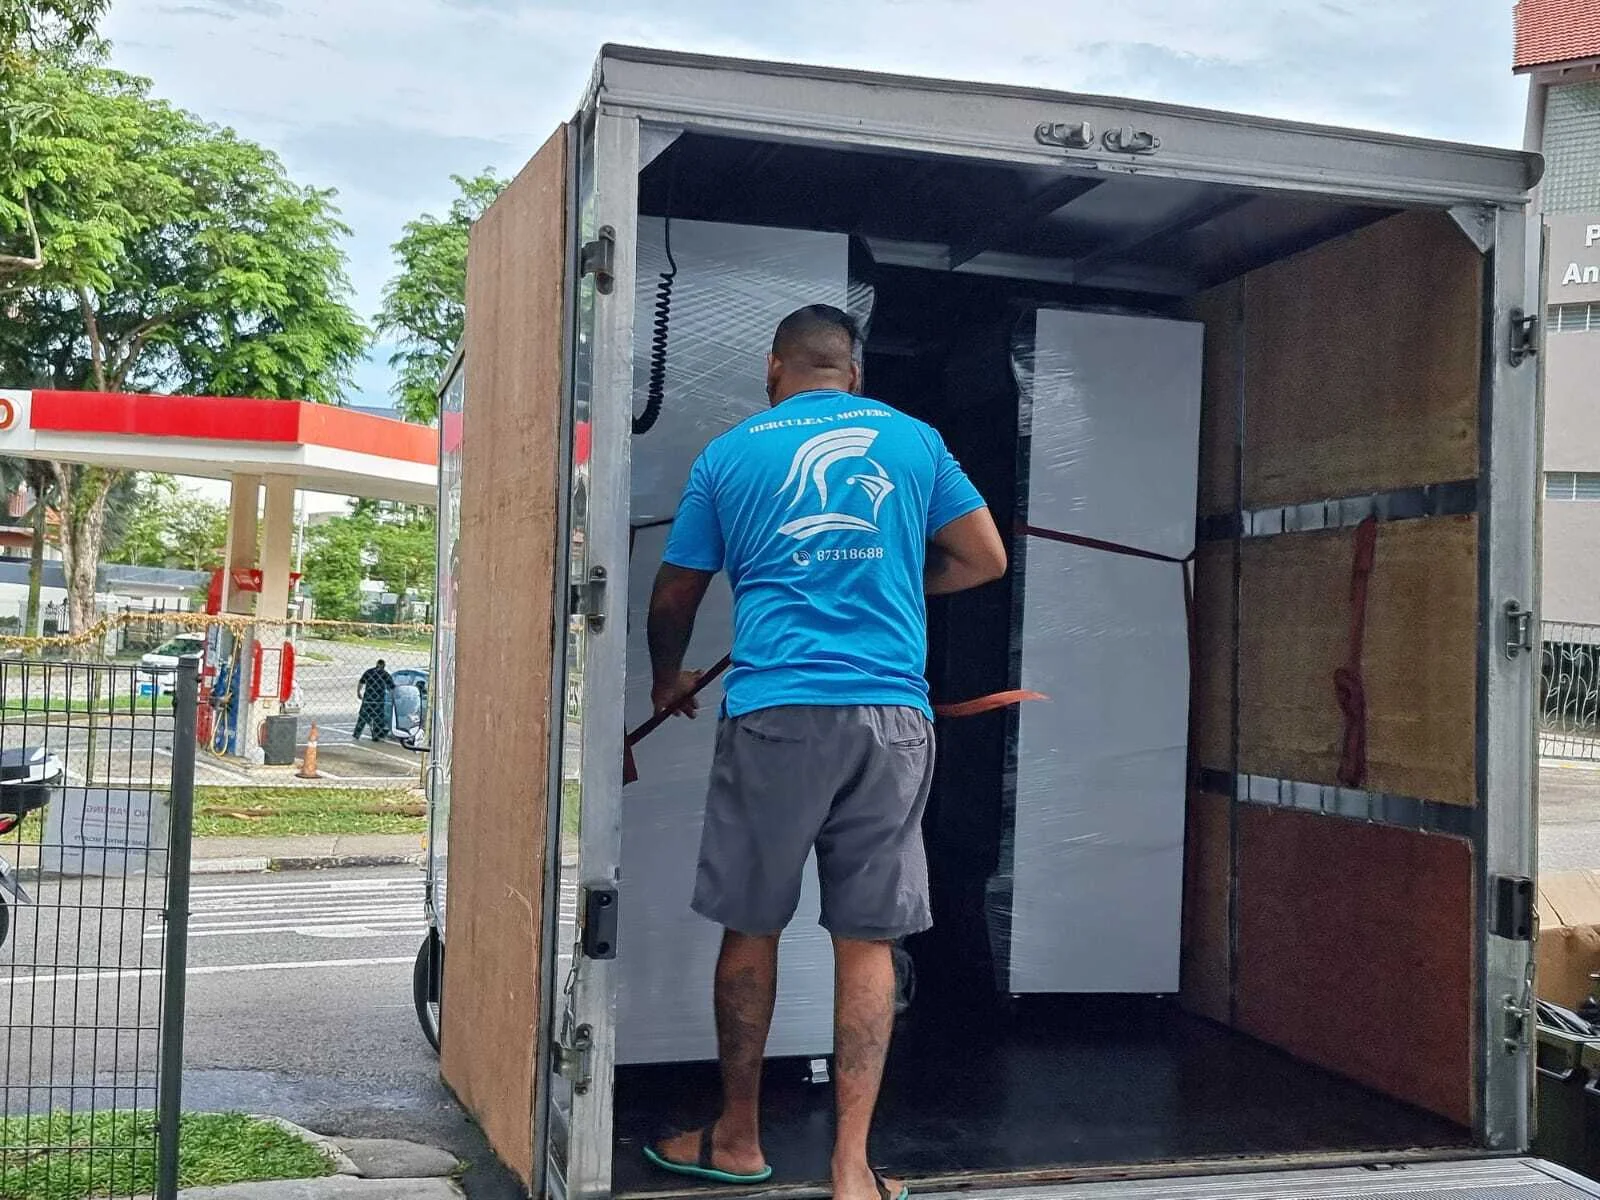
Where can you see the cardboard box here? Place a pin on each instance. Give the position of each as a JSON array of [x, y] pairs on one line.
[[1569, 936]]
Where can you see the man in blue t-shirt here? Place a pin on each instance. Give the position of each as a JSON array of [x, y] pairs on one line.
[[833, 516]]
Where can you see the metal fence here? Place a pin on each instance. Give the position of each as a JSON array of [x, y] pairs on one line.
[[1569, 691], [96, 799]]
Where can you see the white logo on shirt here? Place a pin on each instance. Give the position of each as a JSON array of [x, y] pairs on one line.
[[809, 471]]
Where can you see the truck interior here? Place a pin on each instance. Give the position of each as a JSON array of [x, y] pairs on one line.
[[1324, 1004]]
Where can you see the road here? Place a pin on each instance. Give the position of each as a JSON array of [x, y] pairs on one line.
[[299, 1005], [1569, 817]]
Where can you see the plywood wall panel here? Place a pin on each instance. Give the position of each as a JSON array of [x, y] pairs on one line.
[[1420, 660], [1362, 364], [1211, 690], [1221, 309], [508, 548], [1356, 953]]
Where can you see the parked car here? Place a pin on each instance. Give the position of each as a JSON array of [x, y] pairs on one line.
[[408, 706], [162, 662]]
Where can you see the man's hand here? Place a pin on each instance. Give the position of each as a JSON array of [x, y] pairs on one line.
[[673, 696]]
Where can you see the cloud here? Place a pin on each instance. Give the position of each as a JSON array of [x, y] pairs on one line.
[[385, 98]]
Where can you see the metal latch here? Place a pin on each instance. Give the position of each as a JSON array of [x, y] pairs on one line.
[[1519, 629], [1524, 336], [1128, 140], [1518, 1022], [1069, 135], [1513, 908], [599, 922], [573, 1059], [588, 599], [598, 257]]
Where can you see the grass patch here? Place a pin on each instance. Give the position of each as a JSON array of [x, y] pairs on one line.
[[284, 812], [61, 1157]]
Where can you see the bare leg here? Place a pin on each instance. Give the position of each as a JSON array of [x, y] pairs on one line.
[[863, 1022], [746, 988]]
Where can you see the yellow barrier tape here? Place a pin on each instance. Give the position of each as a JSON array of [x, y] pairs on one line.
[[233, 622]]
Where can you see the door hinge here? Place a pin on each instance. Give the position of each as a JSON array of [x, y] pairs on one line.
[[1128, 140], [598, 258], [1513, 908], [1524, 336], [1519, 629], [600, 922], [574, 1058], [1518, 1024], [588, 599], [1069, 135]]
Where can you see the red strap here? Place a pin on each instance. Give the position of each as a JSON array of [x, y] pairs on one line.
[[1348, 684], [989, 703], [963, 708]]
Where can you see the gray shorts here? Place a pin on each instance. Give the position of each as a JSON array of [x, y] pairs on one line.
[[851, 782]]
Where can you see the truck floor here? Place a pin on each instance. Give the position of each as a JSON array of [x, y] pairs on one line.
[[1064, 1083]]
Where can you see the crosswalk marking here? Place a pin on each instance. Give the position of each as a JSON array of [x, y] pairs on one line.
[[319, 908]]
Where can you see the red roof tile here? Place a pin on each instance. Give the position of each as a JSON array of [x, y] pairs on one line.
[[1556, 31]]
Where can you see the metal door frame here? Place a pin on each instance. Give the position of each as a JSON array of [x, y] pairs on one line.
[[575, 1148]]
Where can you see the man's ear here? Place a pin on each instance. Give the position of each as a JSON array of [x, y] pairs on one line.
[[855, 378], [774, 369]]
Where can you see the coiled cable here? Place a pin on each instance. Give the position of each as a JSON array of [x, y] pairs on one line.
[[656, 386]]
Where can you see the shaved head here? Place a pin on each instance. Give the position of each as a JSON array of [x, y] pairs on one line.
[[815, 347]]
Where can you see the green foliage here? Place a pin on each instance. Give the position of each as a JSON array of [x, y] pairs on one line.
[[144, 249], [33, 26], [334, 568], [168, 527], [177, 256], [393, 544], [62, 1156], [424, 304]]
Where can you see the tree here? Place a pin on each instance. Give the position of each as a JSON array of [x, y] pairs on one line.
[[168, 527], [391, 543], [334, 568], [29, 27], [36, 477], [175, 256], [31, 31], [424, 304]]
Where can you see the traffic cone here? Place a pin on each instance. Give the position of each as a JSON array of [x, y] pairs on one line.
[[308, 765]]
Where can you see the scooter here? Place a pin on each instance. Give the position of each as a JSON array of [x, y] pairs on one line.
[[29, 776]]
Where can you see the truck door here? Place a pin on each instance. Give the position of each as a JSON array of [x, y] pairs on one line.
[[536, 726], [585, 807]]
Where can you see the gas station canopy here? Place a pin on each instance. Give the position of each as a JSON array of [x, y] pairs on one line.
[[322, 448]]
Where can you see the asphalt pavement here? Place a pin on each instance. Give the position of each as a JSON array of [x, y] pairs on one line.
[[299, 1005]]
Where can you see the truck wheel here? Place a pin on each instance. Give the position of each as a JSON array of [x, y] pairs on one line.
[[5, 921], [427, 986]]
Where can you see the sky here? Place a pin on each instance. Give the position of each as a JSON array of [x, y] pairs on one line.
[[384, 100]]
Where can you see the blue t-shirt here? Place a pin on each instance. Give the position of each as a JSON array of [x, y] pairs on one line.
[[820, 510]]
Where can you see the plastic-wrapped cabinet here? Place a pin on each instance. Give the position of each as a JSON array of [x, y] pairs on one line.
[[1110, 431], [734, 284]]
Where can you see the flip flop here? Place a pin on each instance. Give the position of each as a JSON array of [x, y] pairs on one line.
[[703, 1168], [883, 1189]]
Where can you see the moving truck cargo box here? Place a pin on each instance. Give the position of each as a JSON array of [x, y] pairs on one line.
[[1569, 936], [1255, 406]]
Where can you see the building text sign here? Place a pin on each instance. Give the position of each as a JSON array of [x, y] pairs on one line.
[[1573, 252]]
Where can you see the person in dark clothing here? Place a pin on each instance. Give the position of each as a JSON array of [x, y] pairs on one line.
[[374, 687]]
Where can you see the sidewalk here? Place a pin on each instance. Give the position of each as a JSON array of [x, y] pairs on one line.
[[302, 852]]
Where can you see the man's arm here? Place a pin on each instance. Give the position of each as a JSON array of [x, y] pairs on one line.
[[673, 605], [966, 553]]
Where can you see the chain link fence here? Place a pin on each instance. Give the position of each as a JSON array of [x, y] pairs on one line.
[[96, 797], [1569, 691]]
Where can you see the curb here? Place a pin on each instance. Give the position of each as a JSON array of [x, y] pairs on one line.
[[305, 862]]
